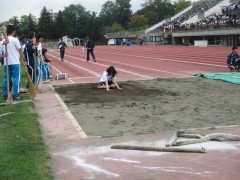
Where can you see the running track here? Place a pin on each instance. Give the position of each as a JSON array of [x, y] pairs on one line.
[[139, 62]]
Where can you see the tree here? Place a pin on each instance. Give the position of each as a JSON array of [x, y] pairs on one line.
[[151, 16], [118, 11], [15, 22], [163, 8], [31, 25], [23, 26], [77, 19], [123, 12], [46, 23], [181, 5], [114, 28], [138, 21], [61, 27], [107, 15]]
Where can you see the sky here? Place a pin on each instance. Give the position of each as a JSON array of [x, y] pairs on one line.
[[25, 7]]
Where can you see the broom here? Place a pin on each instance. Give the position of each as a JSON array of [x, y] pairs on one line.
[[9, 98], [32, 89]]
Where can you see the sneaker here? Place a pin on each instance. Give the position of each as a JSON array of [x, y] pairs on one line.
[[94, 60], [24, 90], [16, 98], [46, 81], [5, 97]]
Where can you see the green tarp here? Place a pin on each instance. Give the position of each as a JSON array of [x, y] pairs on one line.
[[228, 77]]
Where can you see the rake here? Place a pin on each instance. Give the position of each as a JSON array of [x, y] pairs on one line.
[[9, 97], [32, 88]]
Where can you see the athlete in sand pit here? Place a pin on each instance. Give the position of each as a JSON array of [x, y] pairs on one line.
[[108, 79]]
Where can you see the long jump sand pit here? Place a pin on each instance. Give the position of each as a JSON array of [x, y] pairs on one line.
[[151, 106]]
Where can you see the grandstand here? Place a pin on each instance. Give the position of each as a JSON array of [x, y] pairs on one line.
[[215, 21]]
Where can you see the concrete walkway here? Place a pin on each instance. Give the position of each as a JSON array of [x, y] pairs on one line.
[[76, 156]]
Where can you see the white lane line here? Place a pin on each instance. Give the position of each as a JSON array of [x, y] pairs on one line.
[[89, 77], [146, 68], [165, 59], [60, 71], [71, 117], [92, 72], [151, 69], [85, 69]]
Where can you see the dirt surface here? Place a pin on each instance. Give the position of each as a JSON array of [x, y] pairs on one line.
[[152, 106]]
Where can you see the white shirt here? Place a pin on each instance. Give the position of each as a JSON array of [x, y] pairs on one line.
[[105, 77], [1, 47], [39, 48], [13, 51]]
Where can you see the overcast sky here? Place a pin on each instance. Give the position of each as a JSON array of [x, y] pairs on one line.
[[24, 7]]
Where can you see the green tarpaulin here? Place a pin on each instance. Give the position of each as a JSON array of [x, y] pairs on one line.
[[228, 77]]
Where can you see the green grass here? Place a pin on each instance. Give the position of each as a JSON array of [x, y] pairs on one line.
[[23, 154]]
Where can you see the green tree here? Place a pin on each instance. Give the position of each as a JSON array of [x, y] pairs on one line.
[[181, 5], [23, 25], [94, 26], [107, 15], [61, 27], [118, 11], [138, 21], [77, 20], [163, 8], [114, 28], [31, 25], [46, 23], [151, 16], [15, 22], [123, 12]]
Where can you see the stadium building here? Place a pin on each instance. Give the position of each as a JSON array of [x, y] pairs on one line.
[[206, 22]]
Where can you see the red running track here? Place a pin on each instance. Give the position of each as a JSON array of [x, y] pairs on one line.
[[139, 62]]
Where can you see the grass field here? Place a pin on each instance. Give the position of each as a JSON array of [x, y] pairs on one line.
[[23, 154]]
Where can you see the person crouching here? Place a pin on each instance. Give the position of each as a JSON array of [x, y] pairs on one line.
[[108, 79]]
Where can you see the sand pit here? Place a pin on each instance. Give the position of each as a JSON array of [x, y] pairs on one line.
[[152, 106]]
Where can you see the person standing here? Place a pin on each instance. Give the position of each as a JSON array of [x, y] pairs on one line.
[[29, 51], [14, 54], [62, 45], [6, 41], [90, 48]]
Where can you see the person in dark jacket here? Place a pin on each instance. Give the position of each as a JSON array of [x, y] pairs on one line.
[[29, 51], [62, 45], [233, 60], [90, 48]]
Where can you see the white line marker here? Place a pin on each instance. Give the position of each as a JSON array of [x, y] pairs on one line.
[[71, 117]]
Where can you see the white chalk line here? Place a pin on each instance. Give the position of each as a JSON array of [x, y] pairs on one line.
[[122, 160], [85, 69], [89, 77], [174, 170], [145, 68], [135, 66], [60, 71], [165, 59], [71, 117], [92, 72]]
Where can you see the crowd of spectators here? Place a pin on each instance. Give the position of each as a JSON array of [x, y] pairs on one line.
[[230, 17]]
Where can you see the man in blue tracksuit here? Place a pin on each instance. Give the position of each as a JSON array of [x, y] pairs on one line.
[[233, 60], [29, 51], [90, 48]]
